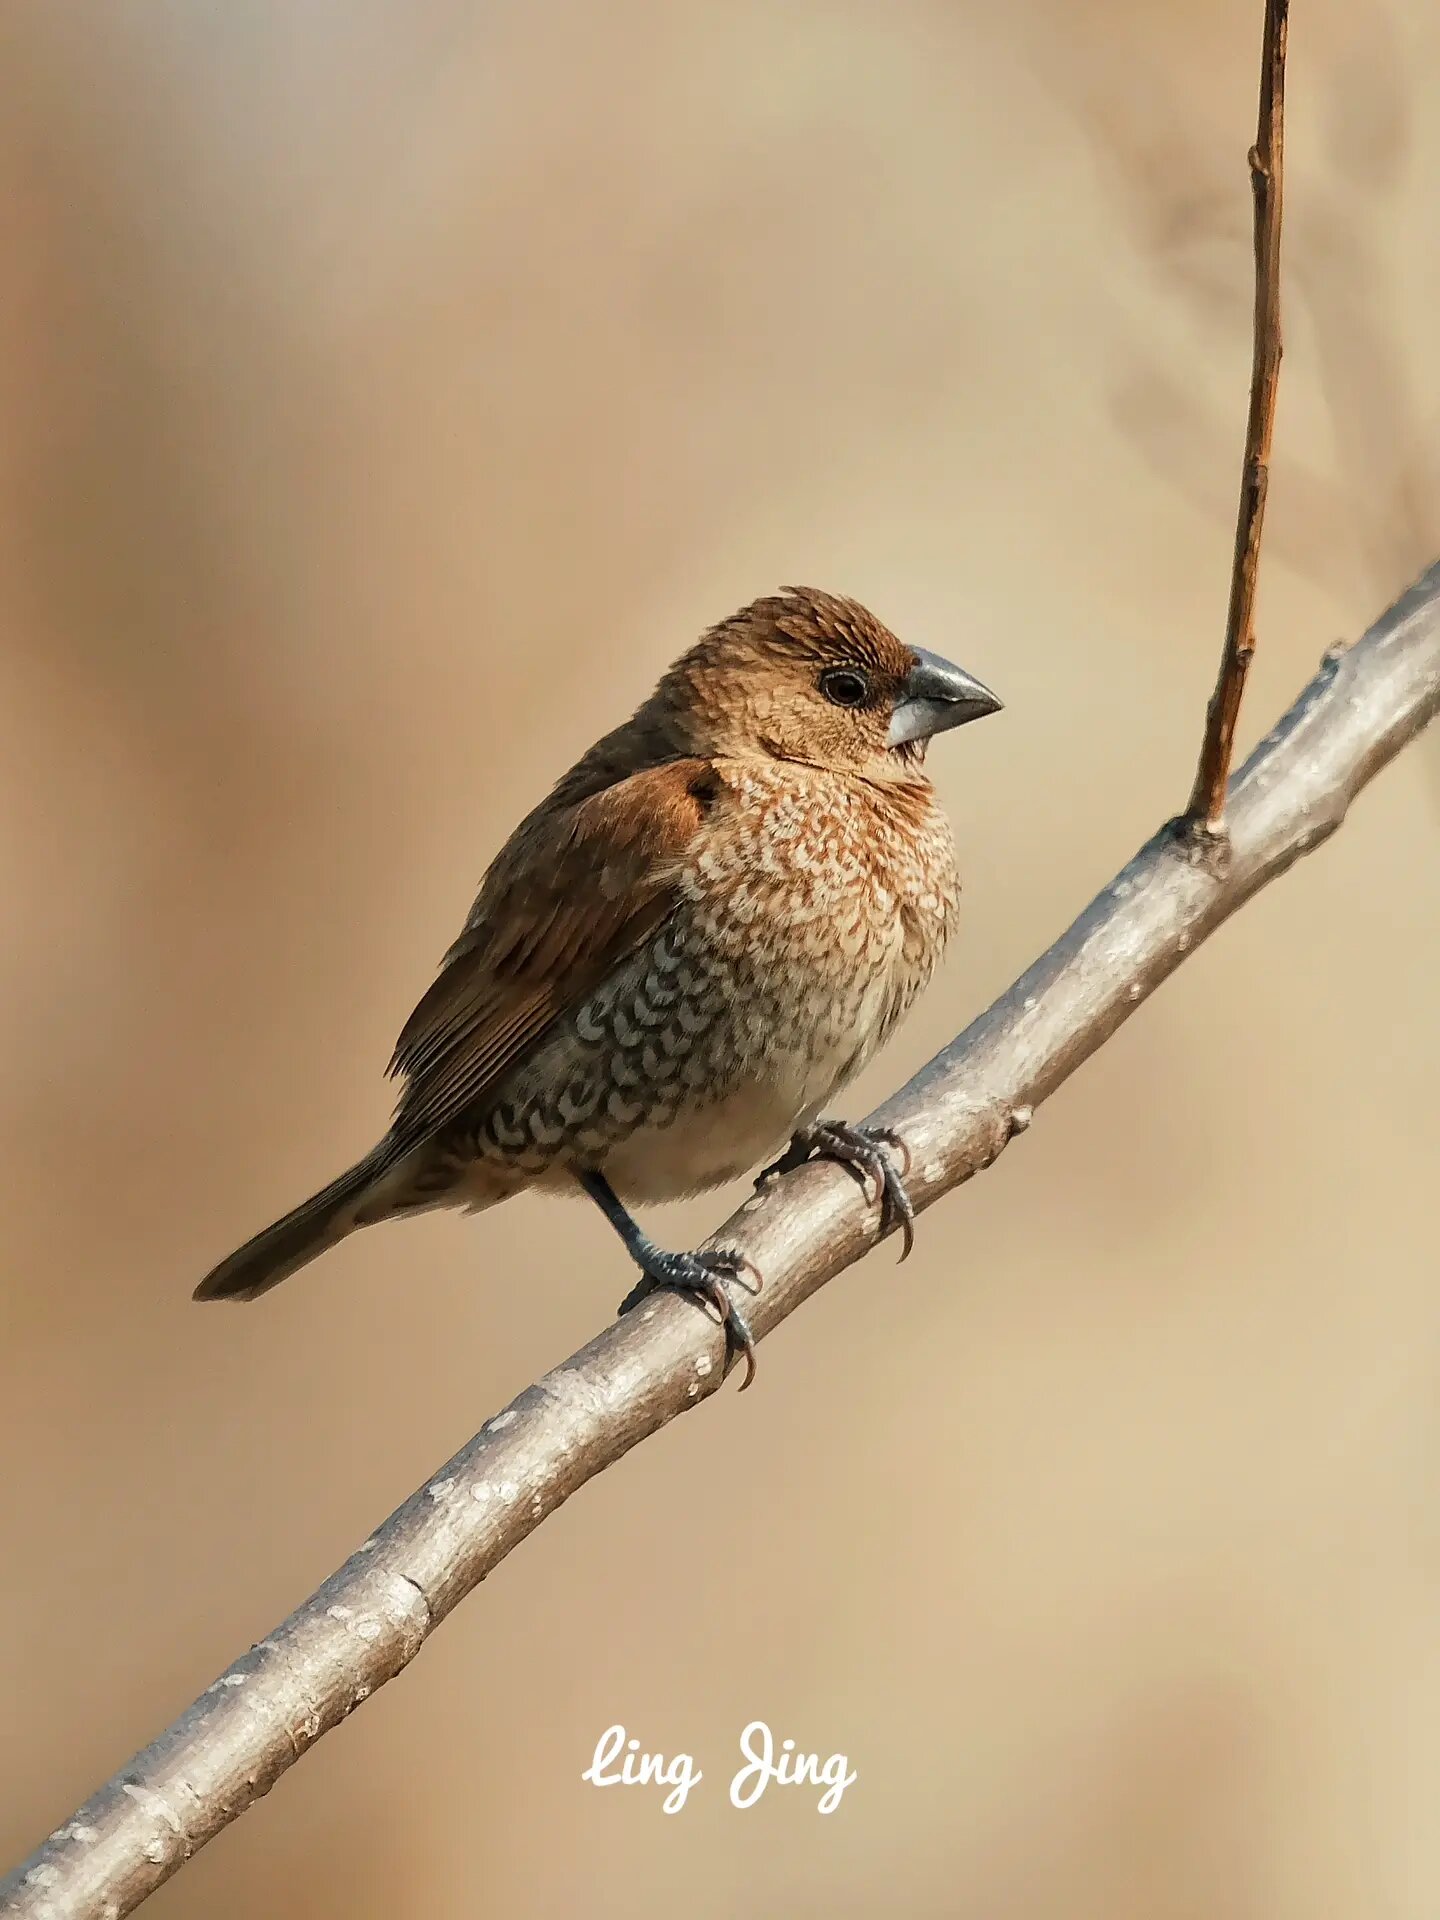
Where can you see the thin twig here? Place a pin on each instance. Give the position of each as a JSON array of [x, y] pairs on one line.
[[370, 1619], [1267, 174]]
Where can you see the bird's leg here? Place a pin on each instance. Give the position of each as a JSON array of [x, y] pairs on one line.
[[698, 1274], [870, 1153]]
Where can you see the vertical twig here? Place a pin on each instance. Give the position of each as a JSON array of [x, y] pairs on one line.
[[1267, 159]]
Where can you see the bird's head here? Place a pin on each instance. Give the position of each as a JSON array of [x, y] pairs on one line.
[[807, 676]]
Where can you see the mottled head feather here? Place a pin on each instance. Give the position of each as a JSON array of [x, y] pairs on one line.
[[753, 686], [821, 627], [750, 687]]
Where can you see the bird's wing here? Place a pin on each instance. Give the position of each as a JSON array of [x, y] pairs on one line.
[[571, 894]]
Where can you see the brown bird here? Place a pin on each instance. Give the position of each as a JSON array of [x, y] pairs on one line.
[[677, 960]]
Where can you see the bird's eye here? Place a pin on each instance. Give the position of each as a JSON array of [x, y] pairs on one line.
[[845, 687]]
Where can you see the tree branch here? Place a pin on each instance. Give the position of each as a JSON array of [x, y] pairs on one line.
[[1267, 178], [371, 1618]]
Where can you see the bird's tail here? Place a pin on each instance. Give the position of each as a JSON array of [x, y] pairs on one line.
[[294, 1241]]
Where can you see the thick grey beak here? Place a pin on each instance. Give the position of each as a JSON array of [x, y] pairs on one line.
[[936, 696]]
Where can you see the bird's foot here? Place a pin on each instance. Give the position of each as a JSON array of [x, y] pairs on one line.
[[701, 1275], [870, 1152]]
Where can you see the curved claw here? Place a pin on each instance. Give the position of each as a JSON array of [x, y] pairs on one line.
[[895, 1196], [869, 1152], [740, 1339], [700, 1275]]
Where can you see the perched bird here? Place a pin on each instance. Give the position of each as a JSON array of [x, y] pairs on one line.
[[676, 961]]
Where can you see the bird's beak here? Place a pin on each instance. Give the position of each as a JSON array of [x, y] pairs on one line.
[[936, 696]]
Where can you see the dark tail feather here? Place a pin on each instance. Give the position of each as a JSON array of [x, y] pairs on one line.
[[294, 1241]]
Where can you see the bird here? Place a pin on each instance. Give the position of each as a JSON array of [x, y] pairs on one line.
[[681, 955]]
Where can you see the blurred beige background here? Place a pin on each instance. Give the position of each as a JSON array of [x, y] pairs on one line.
[[388, 391]]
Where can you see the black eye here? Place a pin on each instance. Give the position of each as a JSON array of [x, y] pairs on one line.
[[845, 687]]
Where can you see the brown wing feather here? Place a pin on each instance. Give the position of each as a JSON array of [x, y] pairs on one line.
[[569, 896]]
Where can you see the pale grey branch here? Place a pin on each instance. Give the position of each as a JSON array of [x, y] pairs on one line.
[[371, 1618]]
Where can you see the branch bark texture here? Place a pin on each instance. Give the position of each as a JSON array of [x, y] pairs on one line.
[[371, 1618]]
